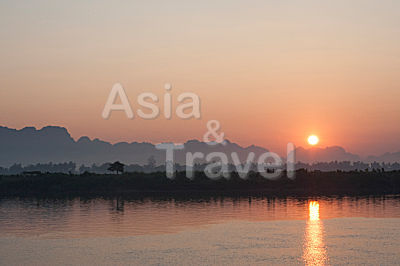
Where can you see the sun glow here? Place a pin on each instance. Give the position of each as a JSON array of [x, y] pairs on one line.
[[313, 140]]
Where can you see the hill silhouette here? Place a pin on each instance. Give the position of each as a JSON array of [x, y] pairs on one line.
[[328, 154], [386, 157], [54, 144]]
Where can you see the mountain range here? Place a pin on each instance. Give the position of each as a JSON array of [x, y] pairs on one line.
[[54, 144]]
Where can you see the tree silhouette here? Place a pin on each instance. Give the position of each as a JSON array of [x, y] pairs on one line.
[[116, 167]]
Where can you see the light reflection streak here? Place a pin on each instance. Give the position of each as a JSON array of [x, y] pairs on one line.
[[314, 250]]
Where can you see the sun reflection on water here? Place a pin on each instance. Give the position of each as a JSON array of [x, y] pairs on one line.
[[313, 209], [314, 250]]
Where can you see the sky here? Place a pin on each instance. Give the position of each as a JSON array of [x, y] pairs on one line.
[[271, 72]]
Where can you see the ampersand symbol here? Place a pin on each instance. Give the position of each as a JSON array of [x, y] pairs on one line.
[[213, 126]]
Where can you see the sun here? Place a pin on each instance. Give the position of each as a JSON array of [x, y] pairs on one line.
[[313, 140]]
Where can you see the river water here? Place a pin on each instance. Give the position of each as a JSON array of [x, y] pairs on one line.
[[206, 231]]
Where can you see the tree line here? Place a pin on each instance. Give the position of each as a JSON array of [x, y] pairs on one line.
[[72, 168]]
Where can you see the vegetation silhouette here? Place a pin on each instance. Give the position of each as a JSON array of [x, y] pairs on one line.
[[306, 183], [71, 167], [116, 167]]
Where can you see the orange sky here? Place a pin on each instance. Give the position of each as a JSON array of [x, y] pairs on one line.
[[269, 72]]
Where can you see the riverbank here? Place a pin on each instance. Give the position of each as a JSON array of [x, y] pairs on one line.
[[305, 184]]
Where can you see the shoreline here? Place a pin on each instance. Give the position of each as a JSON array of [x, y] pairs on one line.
[[306, 184]]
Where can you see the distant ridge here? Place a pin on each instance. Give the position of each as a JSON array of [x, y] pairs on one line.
[[334, 153], [54, 144], [386, 157]]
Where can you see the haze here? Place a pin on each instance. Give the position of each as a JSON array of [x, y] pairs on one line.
[[270, 71]]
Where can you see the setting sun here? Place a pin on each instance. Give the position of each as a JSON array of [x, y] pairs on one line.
[[313, 140]]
